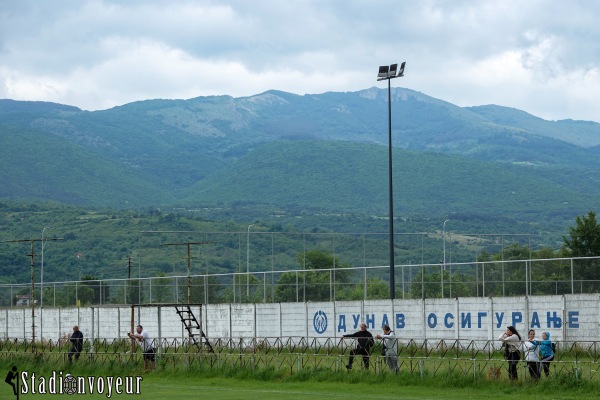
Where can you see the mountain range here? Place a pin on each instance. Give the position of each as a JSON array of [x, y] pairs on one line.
[[327, 152]]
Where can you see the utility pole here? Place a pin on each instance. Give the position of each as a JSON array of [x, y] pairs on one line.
[[32, 296], [189, 262]]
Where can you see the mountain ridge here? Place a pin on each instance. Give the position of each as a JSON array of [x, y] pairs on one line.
[[203, 150]]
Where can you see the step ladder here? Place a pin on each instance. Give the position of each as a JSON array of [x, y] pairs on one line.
[[193, 327]]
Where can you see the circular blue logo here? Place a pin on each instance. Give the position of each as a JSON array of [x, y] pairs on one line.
[[320, 322]]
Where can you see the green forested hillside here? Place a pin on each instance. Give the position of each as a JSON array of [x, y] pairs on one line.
[[40, 166], [353, 178], [284, 163], [97, 242], [580, 133]]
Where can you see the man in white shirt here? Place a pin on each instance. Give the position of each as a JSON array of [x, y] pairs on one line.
[[390, 346], [147, 345]]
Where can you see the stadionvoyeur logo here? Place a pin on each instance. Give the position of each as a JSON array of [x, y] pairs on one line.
[[27, 382]]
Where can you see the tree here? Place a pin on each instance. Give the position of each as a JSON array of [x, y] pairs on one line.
[[241, 286], [584, 241], [101, 293], [68, 295], [514, 251], [431, 282], [315, 284], [427, 284], [162, 289], [135, 292], [584, 238], [377, 289]]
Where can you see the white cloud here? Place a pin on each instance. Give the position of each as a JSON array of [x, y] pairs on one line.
[[541, 56]]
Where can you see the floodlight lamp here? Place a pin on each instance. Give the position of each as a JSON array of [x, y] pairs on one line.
[[392, 71], [401, 72], [383, 71]]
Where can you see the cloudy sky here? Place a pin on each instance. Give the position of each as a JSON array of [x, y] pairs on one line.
[[541, 56]]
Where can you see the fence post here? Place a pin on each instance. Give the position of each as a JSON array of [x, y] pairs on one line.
[[482, 279], [572, 279], [527, 280], [93, 334], [158, 348]]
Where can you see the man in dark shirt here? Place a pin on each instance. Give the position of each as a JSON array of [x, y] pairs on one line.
[[76, 343], [363, 345]]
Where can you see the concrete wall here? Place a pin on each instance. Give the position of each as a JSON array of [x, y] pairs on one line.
[[568, 317]]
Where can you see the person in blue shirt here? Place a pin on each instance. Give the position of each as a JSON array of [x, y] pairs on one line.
[[547, 353]]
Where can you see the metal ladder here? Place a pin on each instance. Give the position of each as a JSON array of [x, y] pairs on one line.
[[193, 327]]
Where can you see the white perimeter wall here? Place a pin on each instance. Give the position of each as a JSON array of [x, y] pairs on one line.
[[568, 317]]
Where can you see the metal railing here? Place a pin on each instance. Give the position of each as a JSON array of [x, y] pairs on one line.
[[483, 359]]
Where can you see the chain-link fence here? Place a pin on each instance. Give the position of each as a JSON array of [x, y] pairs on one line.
[[554, 276]]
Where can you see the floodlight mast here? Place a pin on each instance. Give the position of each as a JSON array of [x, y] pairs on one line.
[[388, 73]]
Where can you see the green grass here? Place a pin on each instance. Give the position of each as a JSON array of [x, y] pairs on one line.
[[160, 387], [309, 383]]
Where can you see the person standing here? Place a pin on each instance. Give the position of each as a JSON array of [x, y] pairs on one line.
[[147, 345], [547, 353], [390, 348], [76, 343], [530, 347], [363, 345], [512, 341]]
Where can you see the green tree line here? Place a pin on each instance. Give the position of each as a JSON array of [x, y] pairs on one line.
[[323, 277]]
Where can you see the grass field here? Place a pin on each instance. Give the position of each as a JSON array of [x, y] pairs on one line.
[[220, 388], [163, 388], [247, 385], [234, 378]]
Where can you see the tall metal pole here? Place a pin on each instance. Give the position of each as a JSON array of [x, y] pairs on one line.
[[388, 73], [444, 263], [32, 297], [127, 287], [42, 274], [42, 288], [450, 271], [189, 278], [391, 197], [248, 262]]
